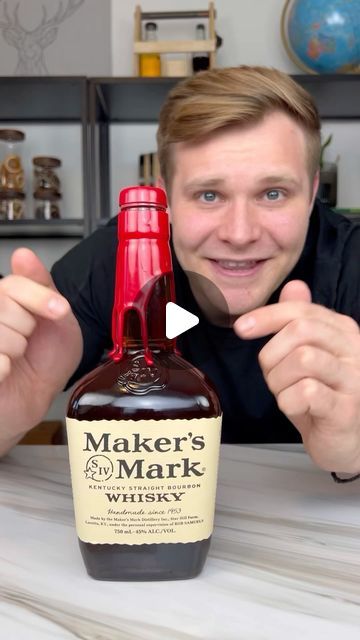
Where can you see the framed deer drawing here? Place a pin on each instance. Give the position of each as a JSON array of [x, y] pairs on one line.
[[31, 44]]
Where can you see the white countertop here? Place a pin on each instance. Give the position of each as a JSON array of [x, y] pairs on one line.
[[284, 561]]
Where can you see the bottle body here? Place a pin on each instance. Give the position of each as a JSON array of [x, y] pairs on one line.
[[200, 61], [178, 393], [150, 63], [144, 427]]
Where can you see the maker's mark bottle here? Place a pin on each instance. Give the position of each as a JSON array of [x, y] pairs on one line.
[[144, 427]]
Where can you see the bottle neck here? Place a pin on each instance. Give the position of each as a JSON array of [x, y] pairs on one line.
[[144, 283], [200, 32], [150, 35]]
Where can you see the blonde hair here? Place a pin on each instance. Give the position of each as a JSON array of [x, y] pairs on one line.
[[212, 100]]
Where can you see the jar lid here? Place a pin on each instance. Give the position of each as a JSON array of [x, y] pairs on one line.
[[47, 194], [46, 161], [11, 135], [11, 194]]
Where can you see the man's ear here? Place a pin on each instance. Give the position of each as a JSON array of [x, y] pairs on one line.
[[160, 183], [315, 187]]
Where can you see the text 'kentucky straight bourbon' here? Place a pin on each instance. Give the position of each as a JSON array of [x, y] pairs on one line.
[[144, 427]]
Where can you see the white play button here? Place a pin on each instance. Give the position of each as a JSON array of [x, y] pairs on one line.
[[178, 320]]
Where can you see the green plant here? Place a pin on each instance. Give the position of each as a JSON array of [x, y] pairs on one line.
[[323, 147]]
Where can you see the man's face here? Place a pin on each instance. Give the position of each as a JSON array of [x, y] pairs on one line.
[[240, 205]]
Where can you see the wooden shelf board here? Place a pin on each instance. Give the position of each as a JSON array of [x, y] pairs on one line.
[[175, 46], [70, 227]]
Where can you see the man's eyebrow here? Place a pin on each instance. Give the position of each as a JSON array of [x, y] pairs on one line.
[[216, 183], [278, 179], [204, 183]]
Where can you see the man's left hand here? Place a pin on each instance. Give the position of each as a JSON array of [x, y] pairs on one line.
[[312, 366]]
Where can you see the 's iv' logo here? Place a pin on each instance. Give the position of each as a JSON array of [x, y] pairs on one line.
[[98, 468]]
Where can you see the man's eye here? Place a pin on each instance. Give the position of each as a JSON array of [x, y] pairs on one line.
[[208, 196], [274, 194]]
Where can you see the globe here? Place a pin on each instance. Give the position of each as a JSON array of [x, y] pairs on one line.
[[322, 36]]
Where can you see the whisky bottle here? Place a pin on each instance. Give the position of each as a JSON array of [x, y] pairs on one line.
[[144, 426]]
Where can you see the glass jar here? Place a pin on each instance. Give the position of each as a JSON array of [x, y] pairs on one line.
[[47, 206], [11, 168], [47, 188], [44, 174], [12, 205]]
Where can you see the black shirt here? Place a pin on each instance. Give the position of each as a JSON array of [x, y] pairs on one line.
[[329, 264]]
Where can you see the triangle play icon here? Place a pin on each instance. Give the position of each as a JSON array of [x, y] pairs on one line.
[[178, 320]]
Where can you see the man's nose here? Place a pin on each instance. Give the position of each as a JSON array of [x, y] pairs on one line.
[[239, 224]]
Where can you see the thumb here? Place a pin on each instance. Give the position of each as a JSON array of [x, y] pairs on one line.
[[295, 291], [25, 262]]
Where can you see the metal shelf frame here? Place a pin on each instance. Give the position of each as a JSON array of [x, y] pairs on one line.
[[96, 103], [138, 100]]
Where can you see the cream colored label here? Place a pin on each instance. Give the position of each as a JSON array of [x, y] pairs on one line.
[[144, 482]]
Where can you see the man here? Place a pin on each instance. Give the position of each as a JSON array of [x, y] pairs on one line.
[[239, 156]]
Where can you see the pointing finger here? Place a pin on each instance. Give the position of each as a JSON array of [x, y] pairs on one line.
[[271, 319], [307, 332], [25, 262], [34, 297], [296, 290]]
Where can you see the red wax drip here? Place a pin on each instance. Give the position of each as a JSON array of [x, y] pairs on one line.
[[143, 257]]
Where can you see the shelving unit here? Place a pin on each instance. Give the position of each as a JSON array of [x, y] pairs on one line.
[[96, 103], [47, 100], [174, 46], [138, 100], [117, 100], [337, 95]]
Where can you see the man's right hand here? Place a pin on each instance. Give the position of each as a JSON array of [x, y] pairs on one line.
[[40, 345]]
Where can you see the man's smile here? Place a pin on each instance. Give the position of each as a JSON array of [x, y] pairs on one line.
[[232, 268]]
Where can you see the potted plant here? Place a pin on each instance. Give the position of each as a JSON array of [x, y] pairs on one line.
[[327, 192]]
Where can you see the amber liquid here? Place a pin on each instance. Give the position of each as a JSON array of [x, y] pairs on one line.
[[181, 391], [150, 65]]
